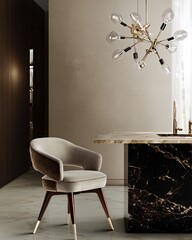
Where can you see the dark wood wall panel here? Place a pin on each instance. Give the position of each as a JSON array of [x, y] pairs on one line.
[[3, 86], [15, 41], [13, 90]]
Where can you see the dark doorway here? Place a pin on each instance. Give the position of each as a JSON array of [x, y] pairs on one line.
[[38, 43]]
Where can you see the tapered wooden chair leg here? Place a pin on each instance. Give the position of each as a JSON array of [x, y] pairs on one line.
[[71, 203], [47, 198], [104, 205], [68, 213]]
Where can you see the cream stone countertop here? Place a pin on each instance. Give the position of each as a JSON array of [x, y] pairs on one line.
[[142, 138]]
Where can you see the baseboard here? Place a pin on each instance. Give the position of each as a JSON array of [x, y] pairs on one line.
[[115, 182]]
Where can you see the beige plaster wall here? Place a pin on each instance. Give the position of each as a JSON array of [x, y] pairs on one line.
[[89, 92]]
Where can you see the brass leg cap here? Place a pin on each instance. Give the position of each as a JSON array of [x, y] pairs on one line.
[[36, 226], [68, 218], [75, 231], [110, 223]]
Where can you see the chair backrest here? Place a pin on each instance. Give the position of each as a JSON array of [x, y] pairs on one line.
[[50, 154]]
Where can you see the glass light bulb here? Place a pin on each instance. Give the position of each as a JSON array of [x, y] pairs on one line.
[[142, 64], [168, 15], [116, 18], [135, 17], [180, 35], [171, 47], [117, 54], [166, 68], [112, 37]]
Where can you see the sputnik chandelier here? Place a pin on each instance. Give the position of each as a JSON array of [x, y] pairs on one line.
[[140, 33]]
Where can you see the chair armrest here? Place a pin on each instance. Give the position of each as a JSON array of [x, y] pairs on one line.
[[50, 166], [88, 159]]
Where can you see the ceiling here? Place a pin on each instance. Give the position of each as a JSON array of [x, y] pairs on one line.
[[43, 4]]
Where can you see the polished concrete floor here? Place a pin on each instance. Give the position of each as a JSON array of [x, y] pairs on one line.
[[20, 203]]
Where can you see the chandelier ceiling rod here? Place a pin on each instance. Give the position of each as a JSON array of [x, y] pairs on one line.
[[146, 11], [137, 6]]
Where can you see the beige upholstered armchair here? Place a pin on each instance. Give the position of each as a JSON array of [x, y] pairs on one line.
[[50, 156]]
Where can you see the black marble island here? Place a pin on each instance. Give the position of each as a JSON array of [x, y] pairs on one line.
[[158, 173]]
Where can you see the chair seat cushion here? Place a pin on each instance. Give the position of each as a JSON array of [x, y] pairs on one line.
[[76, 181]]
